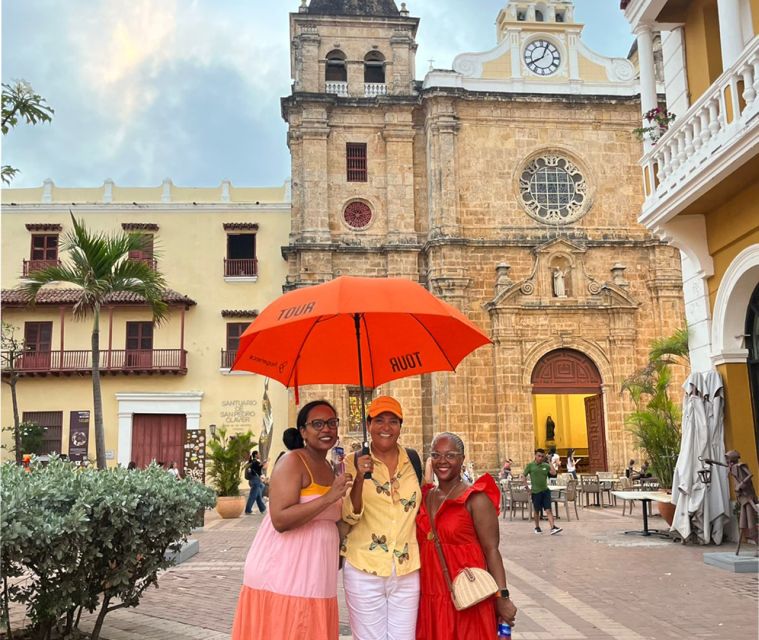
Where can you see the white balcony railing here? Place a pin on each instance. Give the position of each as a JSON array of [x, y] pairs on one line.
[[338, 88], [705, 141], [372, 89]]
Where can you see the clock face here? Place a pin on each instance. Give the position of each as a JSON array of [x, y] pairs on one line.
[[542, 57]]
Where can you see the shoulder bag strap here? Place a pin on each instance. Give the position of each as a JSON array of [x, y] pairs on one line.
[[416, 462], [438, 547]]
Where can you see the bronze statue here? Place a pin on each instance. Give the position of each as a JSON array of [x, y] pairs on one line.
[[550, 429], [745, 495]]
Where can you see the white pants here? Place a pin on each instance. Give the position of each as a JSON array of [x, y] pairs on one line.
[[381, 608]]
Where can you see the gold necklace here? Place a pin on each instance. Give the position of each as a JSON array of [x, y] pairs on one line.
[[450, 491]]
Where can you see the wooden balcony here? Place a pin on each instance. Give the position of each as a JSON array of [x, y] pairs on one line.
[[227, 358], [240, 267], [30, 266], [113, 362], [151, 262]]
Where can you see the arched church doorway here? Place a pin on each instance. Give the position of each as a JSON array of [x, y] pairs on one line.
[[568, 407]]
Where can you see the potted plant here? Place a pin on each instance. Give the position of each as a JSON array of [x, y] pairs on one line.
[[659, 120], [228, 455], [656, 421]]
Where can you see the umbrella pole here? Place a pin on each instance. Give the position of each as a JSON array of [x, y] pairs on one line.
[[365, 448]]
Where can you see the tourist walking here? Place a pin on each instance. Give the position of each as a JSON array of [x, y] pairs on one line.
[[538, 472], [381, 571], [465, 519], [253, 474], [290, 580]]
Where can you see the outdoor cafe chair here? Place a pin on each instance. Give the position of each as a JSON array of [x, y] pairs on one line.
[[606, 480], [569, 495], [504, 487], [590, 486], [519, 496], [625, 484]]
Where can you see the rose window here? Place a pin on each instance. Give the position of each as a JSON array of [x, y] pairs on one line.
[[553, 190], [357, 215]]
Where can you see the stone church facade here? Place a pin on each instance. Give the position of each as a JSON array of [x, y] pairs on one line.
[[508, 186]]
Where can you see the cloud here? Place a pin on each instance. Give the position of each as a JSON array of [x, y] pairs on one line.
[[190, 89]]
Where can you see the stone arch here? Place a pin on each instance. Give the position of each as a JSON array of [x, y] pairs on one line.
[[374, 67], [599, 359], [730, 305], [335, 67], [565, 371]]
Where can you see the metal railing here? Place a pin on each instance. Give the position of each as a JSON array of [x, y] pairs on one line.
[[115, 360], [240, 268], [227, 358]]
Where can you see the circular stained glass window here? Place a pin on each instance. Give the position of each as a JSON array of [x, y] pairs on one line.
[[553, 190], [357, 215]]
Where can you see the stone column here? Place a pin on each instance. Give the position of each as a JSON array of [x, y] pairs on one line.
[[314, 196], [730, 31], [399, 149]]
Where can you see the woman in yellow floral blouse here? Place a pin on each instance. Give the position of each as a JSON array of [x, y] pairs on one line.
[[381, 572]]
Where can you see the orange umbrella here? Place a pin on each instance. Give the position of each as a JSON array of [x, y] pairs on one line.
[[351, 330]]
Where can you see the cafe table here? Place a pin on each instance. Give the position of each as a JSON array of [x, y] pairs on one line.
[[646, 497]]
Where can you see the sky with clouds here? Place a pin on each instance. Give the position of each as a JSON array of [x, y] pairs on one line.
[[190, 89]]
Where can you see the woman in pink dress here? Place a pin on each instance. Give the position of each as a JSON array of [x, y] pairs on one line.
[[290, 583]]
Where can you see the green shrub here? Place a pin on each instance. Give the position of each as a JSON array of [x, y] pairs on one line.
[[228, 456], [81, 539]]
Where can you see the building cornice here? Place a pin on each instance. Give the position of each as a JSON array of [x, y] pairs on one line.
[[10, 208]]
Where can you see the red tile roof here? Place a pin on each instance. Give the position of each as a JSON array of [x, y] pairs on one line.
[[15, 298]]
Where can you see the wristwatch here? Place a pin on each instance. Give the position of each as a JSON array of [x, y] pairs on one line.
[[503, 593]]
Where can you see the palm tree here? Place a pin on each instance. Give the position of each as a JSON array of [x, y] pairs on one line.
[[100, 266]]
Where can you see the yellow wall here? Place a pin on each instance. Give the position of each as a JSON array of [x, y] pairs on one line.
[[702, 46], [498, 68], [739, 426], [730, 229], [568, 412], [191, 246]]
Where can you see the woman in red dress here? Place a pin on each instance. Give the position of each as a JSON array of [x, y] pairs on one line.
[[466, 519]]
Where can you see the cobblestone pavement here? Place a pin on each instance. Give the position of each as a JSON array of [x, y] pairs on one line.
[[590, 581]]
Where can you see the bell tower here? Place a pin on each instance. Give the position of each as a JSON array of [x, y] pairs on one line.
[[353, 48]]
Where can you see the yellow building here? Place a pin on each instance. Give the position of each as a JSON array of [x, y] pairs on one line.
[[701, 182], [162, 386]]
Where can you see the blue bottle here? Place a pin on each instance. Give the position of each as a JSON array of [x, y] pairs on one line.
[[504, 631]]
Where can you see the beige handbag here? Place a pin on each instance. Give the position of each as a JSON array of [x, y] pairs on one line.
[[471, 586]]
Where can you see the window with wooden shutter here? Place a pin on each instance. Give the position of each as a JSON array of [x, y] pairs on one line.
[[44, 247], [52, 424], [356, 161], [234, 331]]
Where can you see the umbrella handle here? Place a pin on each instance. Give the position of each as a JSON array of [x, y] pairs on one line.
[[365, 451]]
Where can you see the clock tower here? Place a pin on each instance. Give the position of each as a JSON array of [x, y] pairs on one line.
[[540, 50]]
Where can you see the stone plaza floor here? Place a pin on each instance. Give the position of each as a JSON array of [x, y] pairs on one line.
[[590, 581]]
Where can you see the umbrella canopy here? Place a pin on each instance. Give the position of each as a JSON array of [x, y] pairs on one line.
[[309, 336], [701, 509]]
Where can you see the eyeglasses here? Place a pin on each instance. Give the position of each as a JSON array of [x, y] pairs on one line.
[[318, 425], [450, 456]]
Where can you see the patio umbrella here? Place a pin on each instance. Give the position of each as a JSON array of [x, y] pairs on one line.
[[701, 509], [351, 330]]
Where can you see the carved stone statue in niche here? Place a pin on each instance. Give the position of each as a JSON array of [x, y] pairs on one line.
[[559, 283]]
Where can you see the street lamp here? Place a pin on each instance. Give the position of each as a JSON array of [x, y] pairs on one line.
[[212, 429]]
